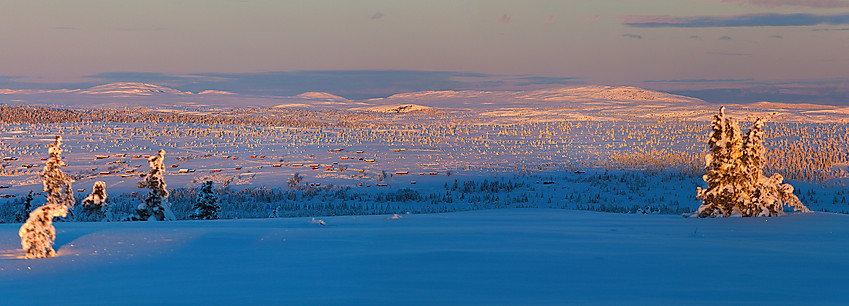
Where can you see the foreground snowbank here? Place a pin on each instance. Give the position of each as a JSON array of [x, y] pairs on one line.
[[535, 256]]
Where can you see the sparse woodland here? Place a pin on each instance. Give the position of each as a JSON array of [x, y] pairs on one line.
[[805, 152], [668, 150]]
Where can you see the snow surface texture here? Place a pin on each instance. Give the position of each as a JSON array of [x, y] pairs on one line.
[[495, 257]]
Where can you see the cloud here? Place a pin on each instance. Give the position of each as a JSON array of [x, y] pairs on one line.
[[549, 20], [140, 77], [9, 77], [544, 80], [827, 93], [699, 81], [826, 29], [590, 19], [753, 20], [776, 36], [725, 38], [634, 36], [807, 3], [730, 53], [377, 15], [505, 19], [695, 37]]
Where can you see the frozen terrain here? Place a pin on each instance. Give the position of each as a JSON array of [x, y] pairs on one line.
[[616, 149], [495, 257], [439, 197]]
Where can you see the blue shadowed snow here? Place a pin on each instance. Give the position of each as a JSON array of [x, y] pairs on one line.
[[496, 257]]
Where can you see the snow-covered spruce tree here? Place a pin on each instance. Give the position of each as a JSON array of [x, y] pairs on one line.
[[206, 204], [38, 233], [767, 195], [155, 206], [726, 177], [95, 207], [23, 213]]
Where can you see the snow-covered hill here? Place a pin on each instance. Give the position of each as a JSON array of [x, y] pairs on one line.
[[132, 89], [402, 108], [497, 257], [604, 93], [121, 89], [321, 96], [558, 103], [561, 103], [539, 97], [35, 91]]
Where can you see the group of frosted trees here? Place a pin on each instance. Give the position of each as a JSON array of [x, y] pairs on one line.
[[38, 234], [735, 178]]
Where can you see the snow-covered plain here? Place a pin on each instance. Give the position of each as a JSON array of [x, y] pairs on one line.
[[494, 257]]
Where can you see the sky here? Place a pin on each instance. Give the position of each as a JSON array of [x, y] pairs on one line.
[[783, 50]]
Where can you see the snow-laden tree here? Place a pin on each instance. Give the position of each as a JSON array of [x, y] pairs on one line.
[[94, 206], [736, 183], [155, 206], [767, 195], [38, 233], [206, 204], [726, 178]]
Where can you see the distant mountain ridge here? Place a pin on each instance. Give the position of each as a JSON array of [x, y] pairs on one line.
[[550, 97], [120, 89], [592, 102], [564, 94], [132, 89], [609, 93], [321, 96], [399, 109]]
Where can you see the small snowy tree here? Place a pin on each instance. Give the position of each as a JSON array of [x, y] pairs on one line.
[[95, 207], [726, 178], [206, 204], [295, 180], [38, 234], [155, 206], [23, 213]]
